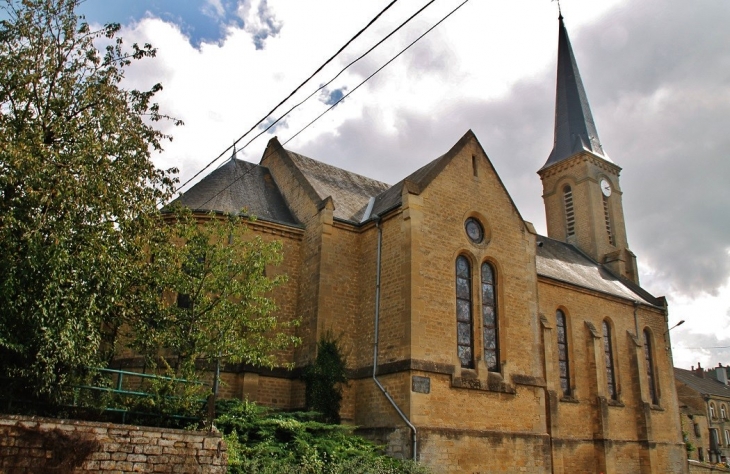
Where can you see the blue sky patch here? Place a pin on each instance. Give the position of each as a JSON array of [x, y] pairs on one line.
[[200, 21]]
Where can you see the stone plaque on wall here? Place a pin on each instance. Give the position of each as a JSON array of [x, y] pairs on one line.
[[421, 384]]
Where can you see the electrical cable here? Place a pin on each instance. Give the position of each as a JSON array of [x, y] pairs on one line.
[[339, 73], [344, 97], [370, 23]]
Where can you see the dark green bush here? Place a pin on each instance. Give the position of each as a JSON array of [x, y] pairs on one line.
[[260, 442], [324, 380]]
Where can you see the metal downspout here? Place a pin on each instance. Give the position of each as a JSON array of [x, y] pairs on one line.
[[375, 344]]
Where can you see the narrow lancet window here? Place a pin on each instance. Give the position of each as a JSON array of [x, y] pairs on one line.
[[489, 318], [563, 353], [650, 367], [464, 344], [569, 212], [608, 354]]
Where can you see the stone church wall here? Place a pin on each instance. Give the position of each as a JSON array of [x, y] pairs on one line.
[[33, 445]]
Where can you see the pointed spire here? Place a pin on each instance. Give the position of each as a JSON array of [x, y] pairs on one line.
[[575, 130]]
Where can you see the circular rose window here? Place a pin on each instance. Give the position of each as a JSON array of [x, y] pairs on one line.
[[474, 230]]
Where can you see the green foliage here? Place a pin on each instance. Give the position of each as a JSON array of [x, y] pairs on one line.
[[229, 314], [168, 402], [687, 443], [324, 379], [78, 192], [261, 443]]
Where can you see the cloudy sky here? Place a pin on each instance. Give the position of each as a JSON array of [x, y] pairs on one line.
[[657, 75]]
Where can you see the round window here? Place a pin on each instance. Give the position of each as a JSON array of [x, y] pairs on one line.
[[474, 230]]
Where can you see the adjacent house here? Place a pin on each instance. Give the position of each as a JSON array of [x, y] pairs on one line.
[[706, 394]]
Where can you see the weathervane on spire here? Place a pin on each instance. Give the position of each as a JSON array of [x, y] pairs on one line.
[[560, 13]]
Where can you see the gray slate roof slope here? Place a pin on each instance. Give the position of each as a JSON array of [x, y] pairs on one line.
[[236, 185], [563, 262], [575, 129], [392, 197], [706, 386], [349, 191]]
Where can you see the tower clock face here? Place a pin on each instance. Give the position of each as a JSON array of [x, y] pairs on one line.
[[605, 187]]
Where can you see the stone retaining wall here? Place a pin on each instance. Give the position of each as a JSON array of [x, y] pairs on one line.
[[33, 445]]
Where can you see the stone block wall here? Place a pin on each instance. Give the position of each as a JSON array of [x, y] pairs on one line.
[[34, 445]]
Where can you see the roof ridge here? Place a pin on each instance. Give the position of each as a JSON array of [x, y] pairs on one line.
[[327, 165]]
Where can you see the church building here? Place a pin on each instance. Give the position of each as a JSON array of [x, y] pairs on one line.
[[475, 344]]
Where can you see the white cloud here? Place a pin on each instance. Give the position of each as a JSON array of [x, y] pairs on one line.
[[213, 9]]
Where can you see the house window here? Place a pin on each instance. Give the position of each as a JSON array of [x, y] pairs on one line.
[[714, 439], [489, 318], [712, 410], [700, 455], [650, 367], [723, 412], [607, 216], [727, 438], [569, 212], [464, 326], [610, 368], [563, 353]]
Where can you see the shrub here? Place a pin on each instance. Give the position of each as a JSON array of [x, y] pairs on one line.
[[261, 442], [325, 378]]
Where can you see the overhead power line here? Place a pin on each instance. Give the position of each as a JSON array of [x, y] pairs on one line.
[[342, 48], [340, 73], [344, 96], [709, 347]]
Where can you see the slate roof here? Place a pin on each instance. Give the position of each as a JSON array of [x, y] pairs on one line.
[[393, 197], [420, 179], [705, 386], [564, 262], [575, 129], [236, 185], [349, 191]]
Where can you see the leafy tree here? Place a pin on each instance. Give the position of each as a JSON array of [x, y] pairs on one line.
[[78, 191], [324, 379], [212, 294]]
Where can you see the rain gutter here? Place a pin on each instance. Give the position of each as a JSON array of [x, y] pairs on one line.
[[375, 344]]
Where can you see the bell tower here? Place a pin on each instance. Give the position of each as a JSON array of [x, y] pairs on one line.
[[580, 183]]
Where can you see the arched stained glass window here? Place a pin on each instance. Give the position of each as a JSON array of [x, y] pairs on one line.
[[648, 355], [563, 362], [464, 343], [489, 318], [608, 354]]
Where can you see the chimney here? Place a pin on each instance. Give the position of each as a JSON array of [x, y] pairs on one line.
[[721, 375], [699, 371]]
